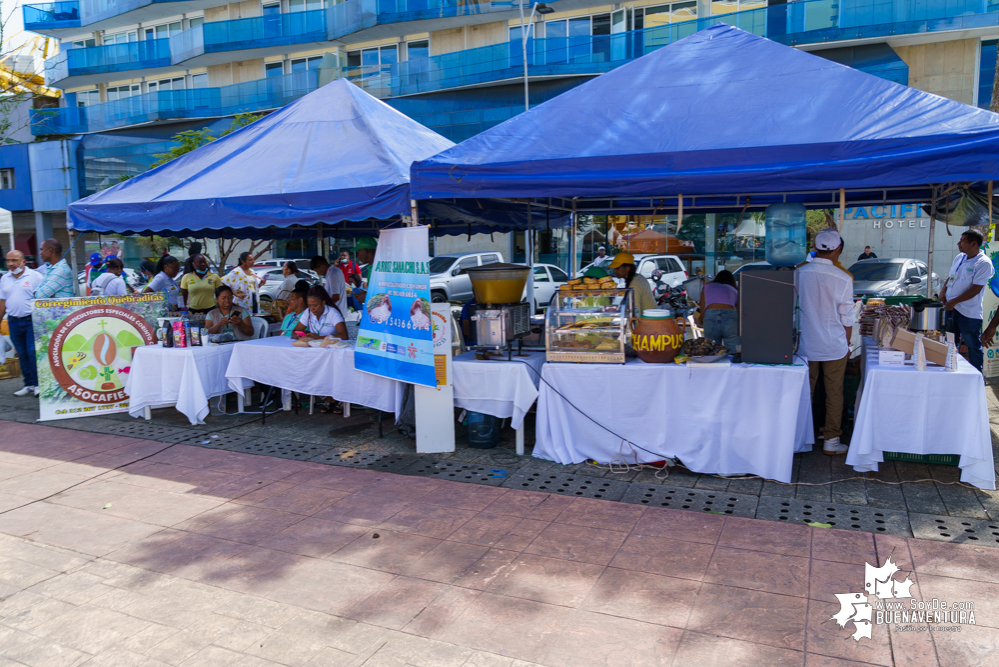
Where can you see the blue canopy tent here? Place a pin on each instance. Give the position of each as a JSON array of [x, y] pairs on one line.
[[335, 162], [722, 120]]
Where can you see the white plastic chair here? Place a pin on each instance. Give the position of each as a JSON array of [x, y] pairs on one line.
[[259, 327]]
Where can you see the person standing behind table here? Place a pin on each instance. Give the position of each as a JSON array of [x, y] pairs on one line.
[[93, 270], [348, 267], [867, 254], [719, 311], [825, 297], [163, 280], [192, 252], [290, 273], [59, 283], [198, 288], [963, 294], [17, 289], [245, 283], [623, 266], [146, 271], [336, 287], [365, 252], [110, 283]]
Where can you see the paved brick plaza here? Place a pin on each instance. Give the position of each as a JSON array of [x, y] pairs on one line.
[[204, 557]]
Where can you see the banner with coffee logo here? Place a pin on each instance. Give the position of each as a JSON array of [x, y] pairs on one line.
[[84, 350]]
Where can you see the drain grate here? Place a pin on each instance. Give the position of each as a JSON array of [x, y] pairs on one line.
[[695, 500], [955, 529], [367, 460], [280, 448], [218, 440], [579, 486], [457, 471], [845, 517], [153, 432]]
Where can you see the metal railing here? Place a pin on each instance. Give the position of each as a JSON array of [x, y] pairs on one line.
[[108, 58], [256, 95]]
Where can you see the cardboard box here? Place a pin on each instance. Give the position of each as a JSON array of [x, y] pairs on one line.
[[936, 353], [891, 358], [11, 369]]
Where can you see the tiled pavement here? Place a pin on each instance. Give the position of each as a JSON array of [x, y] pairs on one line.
[[200, 557], [941, 510]]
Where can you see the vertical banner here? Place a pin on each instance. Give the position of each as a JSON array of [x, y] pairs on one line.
[[84, 346], [395, 338], [435, 406], [990, 304]]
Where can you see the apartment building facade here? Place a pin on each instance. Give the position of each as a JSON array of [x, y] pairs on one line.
[[135, 72]]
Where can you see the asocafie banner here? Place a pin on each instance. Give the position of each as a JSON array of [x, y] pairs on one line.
[[84, 350], [394, 339]]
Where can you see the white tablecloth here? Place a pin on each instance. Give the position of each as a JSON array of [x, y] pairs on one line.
[[722, 420], [313, 371], [498, 387], [183, 376], [935, 411]]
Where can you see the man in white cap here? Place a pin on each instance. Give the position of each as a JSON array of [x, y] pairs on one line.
[[825, 297]]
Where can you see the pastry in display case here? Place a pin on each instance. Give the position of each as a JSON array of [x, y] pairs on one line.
[[587, 324]]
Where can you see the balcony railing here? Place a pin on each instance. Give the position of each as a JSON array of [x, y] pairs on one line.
[[108, 58], [801, 22], [351, 16], [176, 104], [252, 33], [51, 15]]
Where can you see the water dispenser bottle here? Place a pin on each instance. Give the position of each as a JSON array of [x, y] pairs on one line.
[[787, 237]]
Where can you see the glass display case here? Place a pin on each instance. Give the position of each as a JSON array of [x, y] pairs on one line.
[[588, 326]]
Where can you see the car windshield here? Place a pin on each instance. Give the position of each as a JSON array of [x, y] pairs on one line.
[[440, 264], [874, 271]]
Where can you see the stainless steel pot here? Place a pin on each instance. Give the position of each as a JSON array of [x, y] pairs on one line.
[[926, 315]]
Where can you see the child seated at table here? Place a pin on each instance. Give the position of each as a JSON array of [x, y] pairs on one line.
[[296, 307]]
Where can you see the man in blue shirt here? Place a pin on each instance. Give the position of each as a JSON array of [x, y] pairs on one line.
[[59, 280]]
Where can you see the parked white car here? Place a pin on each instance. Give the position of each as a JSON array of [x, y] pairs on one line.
[[672, 269], [547, 278]]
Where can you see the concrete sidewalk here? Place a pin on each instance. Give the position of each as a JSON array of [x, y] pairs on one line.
[[195, 556]]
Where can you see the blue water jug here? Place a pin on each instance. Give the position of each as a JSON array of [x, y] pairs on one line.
[[787, 234], [483, 430]]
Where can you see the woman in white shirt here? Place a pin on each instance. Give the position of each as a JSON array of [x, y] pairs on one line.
[[162, 281], [110, 283], [322, 318]]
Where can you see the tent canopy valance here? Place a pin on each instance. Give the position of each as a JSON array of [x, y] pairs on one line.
[[335, 162], [730, 121]]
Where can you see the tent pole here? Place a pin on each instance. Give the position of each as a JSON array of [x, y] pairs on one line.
[[529, 247], [414, 213], [842, 208], [679, 220], [929, 252], [72, 262], [573, 261]]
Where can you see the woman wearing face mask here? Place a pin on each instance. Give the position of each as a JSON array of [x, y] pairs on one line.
[[146, 272], [198, 288]]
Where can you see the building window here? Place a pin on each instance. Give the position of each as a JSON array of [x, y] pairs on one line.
[[273, 70], [272, 10], [88, 98], [85, 43], [123, 92], [6, 179], [199, 81], [121, 38], [729, 6], [195, 22], [652, 17], [164, 31], [166, 84], [303, 64], [373, 60], [418, 50], [305, 5]]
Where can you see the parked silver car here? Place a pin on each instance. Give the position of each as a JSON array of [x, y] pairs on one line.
[[891, 277], [269, 290]]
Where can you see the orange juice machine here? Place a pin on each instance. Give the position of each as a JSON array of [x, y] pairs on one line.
[[501, 314]]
